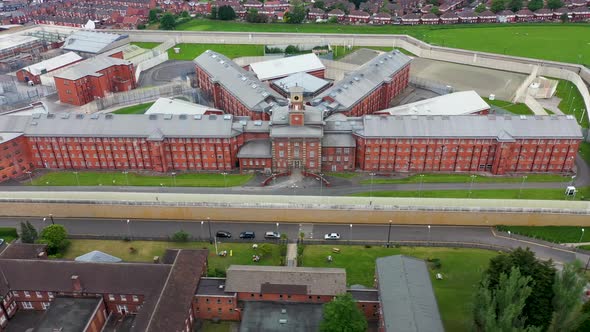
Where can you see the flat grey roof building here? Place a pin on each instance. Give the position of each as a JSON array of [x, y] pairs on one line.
[[267, 316], [68, 314], [285, 280], [406, 295], [90, 67], [93, 42], [260, 148], [311, 85]]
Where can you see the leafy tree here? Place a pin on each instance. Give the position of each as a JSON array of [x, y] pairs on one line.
[[184, 14], [585, 326], [153, 15], [28, 233], [554, 4], [342, 314], [296, 14], [340, 6], [291, 49], [333, 20], [253, 17], [498, 6], [181, 236], [167, 22], [357, 3], [539, 307], [535, 5], [226, 13], [319, 4], [500, 308], [480, 8], [56, 238], [514, 5], [213, 14], [435, 10], [434, 2], [564, 17], [568, 286]]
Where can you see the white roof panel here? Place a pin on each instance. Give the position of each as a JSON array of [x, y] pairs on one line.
[[457, 103], [176, 106], [53, 63], [272, 69]]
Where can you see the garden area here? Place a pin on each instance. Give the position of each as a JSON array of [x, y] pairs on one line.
[[466, 178], [135, 179], [134, 109], [461, 270]]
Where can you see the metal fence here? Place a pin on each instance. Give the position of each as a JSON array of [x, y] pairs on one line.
[[13, 97], [430, 85]]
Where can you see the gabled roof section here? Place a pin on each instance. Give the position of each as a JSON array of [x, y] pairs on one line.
[[53, 63], [92, 41], [272, 69], [90, 67], [97, 256]]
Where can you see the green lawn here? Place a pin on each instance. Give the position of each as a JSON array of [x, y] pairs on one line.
[[8, 234], [146, 250], [552, 194], [222, 326], [461, 269], [518, 108], [464, 178], [571, 101], [134, 109], [585, 151], [134, 179], [191, 51], [558, 234], [343, 175], [527, 40], [146, 45]]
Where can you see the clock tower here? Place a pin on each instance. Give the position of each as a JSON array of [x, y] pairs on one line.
[[296, 106]]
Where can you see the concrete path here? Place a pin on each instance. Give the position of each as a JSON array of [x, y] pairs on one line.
[[292, 254]]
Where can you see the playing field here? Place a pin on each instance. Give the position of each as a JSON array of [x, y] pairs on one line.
[[559, 42]]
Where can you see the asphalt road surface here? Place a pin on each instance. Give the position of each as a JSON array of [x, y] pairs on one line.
[[199, 229]]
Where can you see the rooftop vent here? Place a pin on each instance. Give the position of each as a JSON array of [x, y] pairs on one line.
[[79, 116], [258, 123], [227, 117], [221, 286], [254, 86], [283, 311], [167, 116], [94, 116], [212, 117], [198, 117], [108, 116], [356, 78], [523, 117], [282, 321], [182, 116], [153, 116]]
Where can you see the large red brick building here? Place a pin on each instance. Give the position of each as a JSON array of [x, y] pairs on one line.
[[94, 78]]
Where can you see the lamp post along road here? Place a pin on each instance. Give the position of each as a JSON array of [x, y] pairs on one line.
[[470, 186], [77, 179], [420, 186], [389, 234], [521, 186], [30, 177], [581, 236]]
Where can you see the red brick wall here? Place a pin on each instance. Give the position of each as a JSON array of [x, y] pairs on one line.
[[255, 163], [211, 307], [287, 150], [285, 298], [369, 309], [338, 159], [15, 158], [98, 320]]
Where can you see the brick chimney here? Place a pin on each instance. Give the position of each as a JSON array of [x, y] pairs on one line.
[[76, 283]]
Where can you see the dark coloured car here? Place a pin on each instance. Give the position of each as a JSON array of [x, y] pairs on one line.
[[224, 234], [247, 235]]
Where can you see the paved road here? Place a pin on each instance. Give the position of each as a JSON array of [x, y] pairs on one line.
[[358, 232]]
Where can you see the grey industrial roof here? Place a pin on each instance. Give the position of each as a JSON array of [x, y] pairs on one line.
[[317, 281], [212, 286], [281, 67], [91, 41], [256, 149], [53, 63], [338, 141], [361, 82], [309, 83], [311, 116], [407, 298], [90, 67], [457, 103], [265, 316], [296, 131], [506, 128], [155, 126], [242, 84], [97, 256], [177, 106], [68, 314]]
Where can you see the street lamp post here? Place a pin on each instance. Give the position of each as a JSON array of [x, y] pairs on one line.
[[77, 179], [429, 234], [471, 185], [350, 235], [210, 236], [573, 179], [201, 234], [581, 236], [224, 181], [509, 234], [521, 186], [389, 234], [51, 217], [126, 177], [277, 228], [174, 178], [420, 186], [128, 229], [30, 177]]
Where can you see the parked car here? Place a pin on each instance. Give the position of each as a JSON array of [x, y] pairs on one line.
[[272, 235], [247, 235], [332, 236], [224, 234]]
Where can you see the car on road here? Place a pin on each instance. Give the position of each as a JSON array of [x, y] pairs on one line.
[[247, 235], [272, 235], [224, 234], [332, 236]]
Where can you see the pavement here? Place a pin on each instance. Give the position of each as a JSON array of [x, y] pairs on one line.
[[356, 234], [292, 254], [164, 73]]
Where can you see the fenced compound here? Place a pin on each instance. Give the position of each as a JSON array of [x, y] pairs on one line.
[[431, 85]]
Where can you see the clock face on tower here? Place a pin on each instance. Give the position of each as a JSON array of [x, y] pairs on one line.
[[296, 98]]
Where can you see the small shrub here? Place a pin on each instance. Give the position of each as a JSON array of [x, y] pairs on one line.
[[217, 273], [368, 246], [181, 236], [283, 249], [300, 250], [132, 250], [435, 263]]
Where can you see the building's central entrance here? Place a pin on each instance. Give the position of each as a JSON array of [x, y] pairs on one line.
[[296, 163]]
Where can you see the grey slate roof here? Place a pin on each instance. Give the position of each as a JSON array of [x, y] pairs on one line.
[[312, 116], [154, 126], [338, 141], [97, 256], [260, 148], [490, 126], [293, 131], [91, 67], [318, 281], [407, 298], [361, 82], [309, 83], [91, 41], [242, 84]]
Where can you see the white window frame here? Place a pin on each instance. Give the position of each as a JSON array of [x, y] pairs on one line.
[[27, 305]]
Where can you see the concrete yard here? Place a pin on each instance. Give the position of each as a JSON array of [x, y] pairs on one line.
[[463, 77]]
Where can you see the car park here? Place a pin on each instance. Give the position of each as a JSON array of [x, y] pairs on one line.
[[224, 234], [247, 235], [272, 235], [332, 236]]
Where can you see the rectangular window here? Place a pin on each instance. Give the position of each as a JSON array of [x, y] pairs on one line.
[[45, 305], [27, 294], [135, 298], [27, 305], [38, 294], [111, 297]]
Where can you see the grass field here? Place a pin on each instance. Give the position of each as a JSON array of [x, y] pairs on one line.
[[146, 250], [527, 40], [146, 45], [133, 179], [8, 234], [571, 101], [464, 178], [558, 234], [542, 194], [585, 151], [461, 269], [191, 51], [134, 109], [518, 108]]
